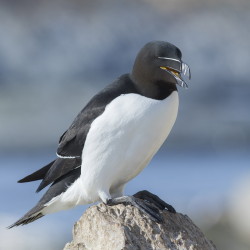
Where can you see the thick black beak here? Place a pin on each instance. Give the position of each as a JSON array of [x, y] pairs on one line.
[[176, 68]]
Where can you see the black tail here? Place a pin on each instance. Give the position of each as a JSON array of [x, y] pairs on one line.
[[25, 220], [59, 186]]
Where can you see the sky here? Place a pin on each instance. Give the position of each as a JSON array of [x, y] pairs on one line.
[[55, 55]]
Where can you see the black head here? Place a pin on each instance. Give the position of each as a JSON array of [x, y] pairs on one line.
[[159, 64]]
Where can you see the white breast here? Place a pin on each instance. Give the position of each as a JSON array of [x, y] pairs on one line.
[[123, 140]]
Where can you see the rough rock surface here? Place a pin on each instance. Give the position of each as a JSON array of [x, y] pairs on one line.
[[124, 227]]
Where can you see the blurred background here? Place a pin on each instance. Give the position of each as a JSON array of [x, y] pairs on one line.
[[55, 55]]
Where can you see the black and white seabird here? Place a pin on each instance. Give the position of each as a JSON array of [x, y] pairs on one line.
[[114, 137]]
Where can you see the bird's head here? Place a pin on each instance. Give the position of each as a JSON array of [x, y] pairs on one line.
[[160, 62]]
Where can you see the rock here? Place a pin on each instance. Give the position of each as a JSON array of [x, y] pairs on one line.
[[104, 227]]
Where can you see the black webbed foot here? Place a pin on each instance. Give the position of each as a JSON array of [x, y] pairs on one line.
[[154, 199], [145, 207]]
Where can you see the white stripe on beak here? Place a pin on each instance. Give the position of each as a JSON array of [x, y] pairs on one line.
[[185, 69]]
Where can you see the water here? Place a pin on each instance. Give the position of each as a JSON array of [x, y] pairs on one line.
[[189, 181]]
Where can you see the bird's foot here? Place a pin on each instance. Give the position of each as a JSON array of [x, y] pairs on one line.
[[145, 207], [155, 200]]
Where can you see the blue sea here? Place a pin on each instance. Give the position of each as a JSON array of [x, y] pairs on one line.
[[190, 181]]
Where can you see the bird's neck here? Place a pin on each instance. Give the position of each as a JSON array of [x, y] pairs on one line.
[[159, 90], [165, 89]]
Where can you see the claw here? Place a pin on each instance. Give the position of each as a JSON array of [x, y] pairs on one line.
[[154, 199], [148, 203], [146, 208]]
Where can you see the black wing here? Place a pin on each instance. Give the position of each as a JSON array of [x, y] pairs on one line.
[[52, 171], [72, 141], [38, 175], [59, 169]]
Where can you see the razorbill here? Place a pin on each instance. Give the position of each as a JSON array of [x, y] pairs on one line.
[[114, 137]]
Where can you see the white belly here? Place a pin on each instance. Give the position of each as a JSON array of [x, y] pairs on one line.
[[123, 140]]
